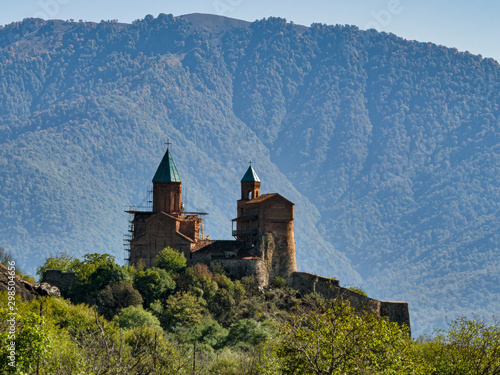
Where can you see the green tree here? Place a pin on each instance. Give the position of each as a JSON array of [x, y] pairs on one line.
[[89, 264], [135, 316], [221, 306], [183, 308], [153, 353], [32, 343], [171, 261], [74, 339], [224, 303], [247, 331], [84, 289], [153, 284], [5, 256], [82, 268], [63, 262], [212, 333], [207, 331], [87, 290], [467, 347], [104, 275], [207, 334], [115, 297], [333, 339], [198, 280]]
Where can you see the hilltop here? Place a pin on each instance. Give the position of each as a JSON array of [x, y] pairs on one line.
[[388, 148]]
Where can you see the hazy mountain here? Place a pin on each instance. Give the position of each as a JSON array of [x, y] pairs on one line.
[[389, 148]]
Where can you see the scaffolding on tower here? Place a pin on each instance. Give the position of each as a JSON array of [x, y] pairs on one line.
[[146, 204]]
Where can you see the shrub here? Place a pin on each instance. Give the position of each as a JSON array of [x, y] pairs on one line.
[[278, 282], [358, 289]]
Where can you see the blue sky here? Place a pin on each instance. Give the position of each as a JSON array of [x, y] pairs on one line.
[[465, 24]]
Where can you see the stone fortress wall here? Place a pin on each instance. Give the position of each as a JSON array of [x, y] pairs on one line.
[[62, 280], [306, 283], [303, 282]]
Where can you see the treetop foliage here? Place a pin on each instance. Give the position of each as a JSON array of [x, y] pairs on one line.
[[171, 261], [221, 326]]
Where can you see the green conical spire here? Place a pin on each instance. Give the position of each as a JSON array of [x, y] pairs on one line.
[[167, 171], [250, 175]]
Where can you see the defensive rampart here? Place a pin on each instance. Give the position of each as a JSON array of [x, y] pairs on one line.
[[306, 283]]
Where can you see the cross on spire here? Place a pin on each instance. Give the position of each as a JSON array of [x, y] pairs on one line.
[[250, 162], [168, 143]]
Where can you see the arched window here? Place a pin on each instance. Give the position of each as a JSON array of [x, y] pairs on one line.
[[250, 195]]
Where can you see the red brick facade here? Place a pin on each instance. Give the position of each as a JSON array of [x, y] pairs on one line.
[[264, 245]]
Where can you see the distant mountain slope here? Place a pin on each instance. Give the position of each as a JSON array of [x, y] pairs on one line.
[[389, 148]]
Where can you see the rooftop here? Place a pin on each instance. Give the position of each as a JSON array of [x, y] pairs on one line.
[[167, 171], [250, 175]]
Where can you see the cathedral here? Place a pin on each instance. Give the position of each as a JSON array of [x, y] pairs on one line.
[[264, 244]]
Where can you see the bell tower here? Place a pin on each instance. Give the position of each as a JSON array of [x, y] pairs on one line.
[[246, 225], [167, 186], [250, 185]]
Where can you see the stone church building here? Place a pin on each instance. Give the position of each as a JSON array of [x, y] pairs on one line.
[[264, 244]]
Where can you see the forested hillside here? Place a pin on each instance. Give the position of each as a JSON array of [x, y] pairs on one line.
[[388, 148]]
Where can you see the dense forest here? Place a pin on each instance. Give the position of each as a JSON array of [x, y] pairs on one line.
[[174, 319], [389, 148]]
